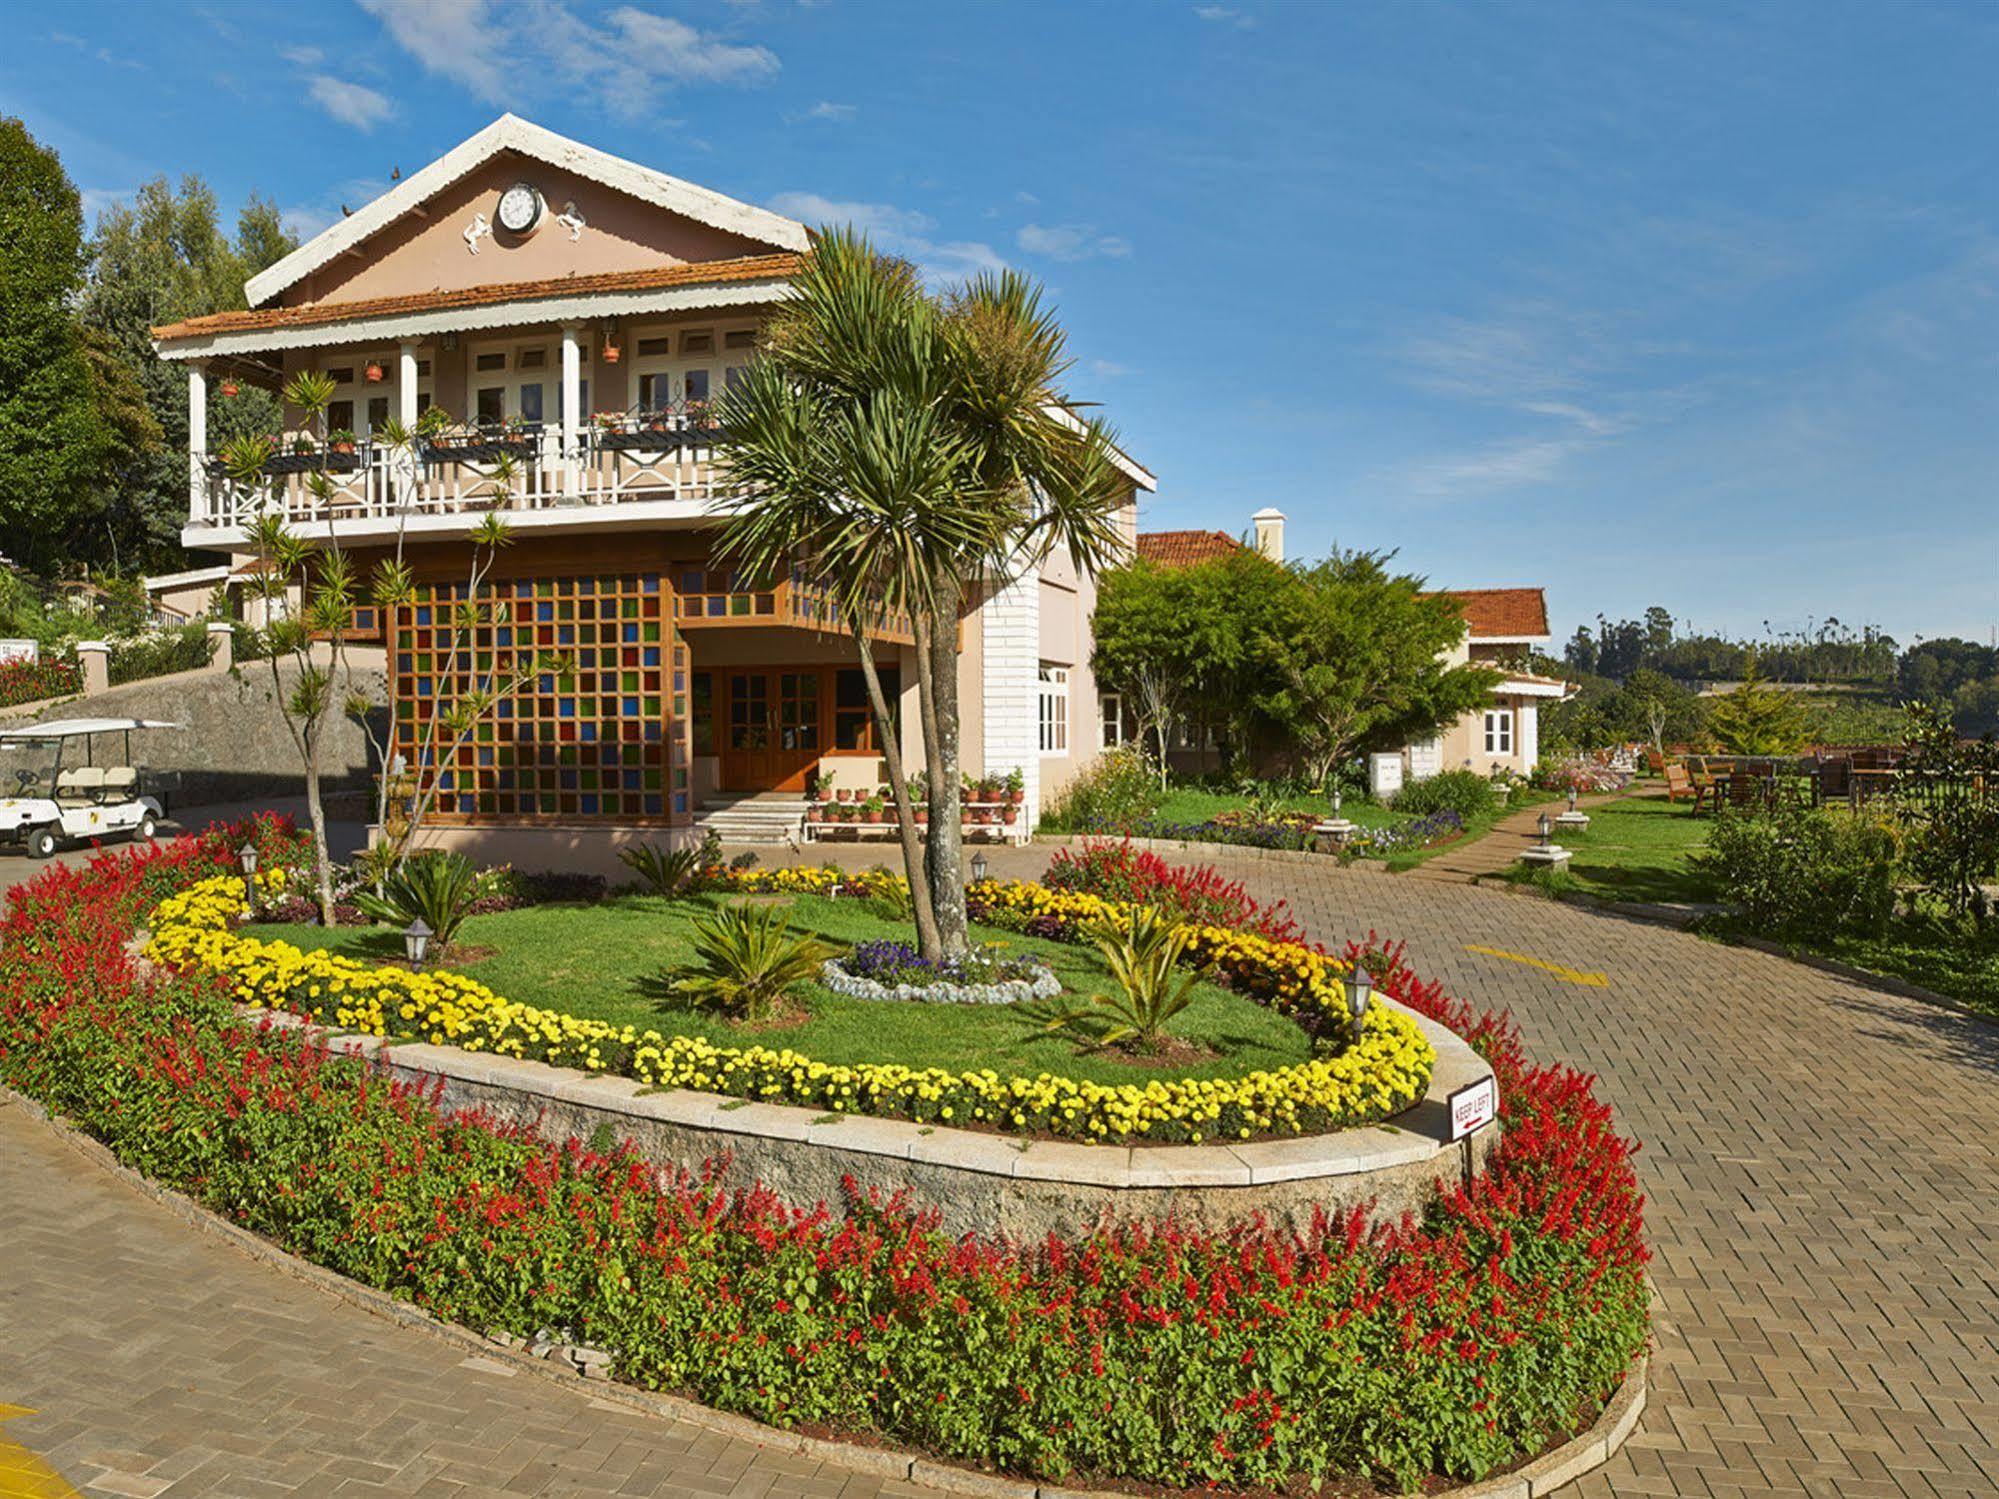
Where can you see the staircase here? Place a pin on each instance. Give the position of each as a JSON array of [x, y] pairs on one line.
[[761, 817]]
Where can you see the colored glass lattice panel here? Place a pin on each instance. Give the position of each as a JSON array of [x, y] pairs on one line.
[[589, 740]]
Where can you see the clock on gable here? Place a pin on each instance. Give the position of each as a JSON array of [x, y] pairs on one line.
[[520, 208]]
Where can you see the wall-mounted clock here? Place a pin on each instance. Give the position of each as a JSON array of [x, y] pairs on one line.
[[520, 208]]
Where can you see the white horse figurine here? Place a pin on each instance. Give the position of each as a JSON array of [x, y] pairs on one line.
[[480, 230], [572, 220]]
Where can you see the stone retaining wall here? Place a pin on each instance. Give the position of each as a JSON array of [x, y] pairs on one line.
[[990, 1184]]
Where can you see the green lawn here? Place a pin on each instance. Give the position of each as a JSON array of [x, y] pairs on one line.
[[1635, 849], [1935, 952], [1191, 804], [615, 961]]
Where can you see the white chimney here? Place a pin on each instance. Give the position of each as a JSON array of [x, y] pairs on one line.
[[1269, 522]]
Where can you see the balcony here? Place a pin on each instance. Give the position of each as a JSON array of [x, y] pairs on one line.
[[622, 459], [716, 598]]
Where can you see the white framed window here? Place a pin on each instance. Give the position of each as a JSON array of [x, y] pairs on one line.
[[1111, 720], [1054, 710], [1499, 731], [688, 365], [524, 381]]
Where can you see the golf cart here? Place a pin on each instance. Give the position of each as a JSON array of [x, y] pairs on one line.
[[53, 785]]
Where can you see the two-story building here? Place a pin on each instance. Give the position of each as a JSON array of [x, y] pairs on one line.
[[578, 312]]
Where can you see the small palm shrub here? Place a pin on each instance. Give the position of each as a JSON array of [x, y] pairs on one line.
[[1464, 792], [1142, 947], [750, 955], [667, 872], [436, 884]]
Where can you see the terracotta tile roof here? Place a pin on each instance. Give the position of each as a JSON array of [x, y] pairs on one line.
[[1185, 548], [698, 273], [1502, 613]]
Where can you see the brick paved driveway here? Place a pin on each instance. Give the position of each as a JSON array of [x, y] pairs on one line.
[[1819, 1158]]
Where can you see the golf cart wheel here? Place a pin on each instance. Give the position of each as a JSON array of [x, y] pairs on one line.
[[145, 831], [41, 843]]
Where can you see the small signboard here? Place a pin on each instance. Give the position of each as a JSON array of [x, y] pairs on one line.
[[18, 650], [1384, 774], [1474, 1106]]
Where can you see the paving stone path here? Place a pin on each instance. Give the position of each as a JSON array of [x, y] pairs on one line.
[[1820, 1160]]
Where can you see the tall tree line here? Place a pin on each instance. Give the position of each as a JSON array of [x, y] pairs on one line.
[[93, 426]]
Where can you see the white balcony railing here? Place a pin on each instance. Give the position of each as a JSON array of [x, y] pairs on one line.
[[651, 456]]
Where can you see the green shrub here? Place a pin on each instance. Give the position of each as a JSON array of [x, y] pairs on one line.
[[436, 884], [1804, 874], [667, 872], [183, 648], [1142, 947], [1118, 792], [749, 956], [1464, 792]]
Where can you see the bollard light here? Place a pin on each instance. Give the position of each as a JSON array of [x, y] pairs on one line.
[[416, 942], [979, 866], [1545, 827], [1360, 992], [246, 860], [1572, 798], [1336, 802]]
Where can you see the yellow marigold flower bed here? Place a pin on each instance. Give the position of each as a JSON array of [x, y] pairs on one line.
[[1387, 1070]]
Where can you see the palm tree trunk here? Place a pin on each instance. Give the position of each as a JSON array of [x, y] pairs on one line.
[[928, 941], [937, 680]]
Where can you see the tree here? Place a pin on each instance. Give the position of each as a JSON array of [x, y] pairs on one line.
[[159, 259], [1754, 718], [1185, 645], [53, 439], [912, 453], [1359, 661]]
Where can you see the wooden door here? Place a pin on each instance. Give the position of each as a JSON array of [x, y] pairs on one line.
[[774, 731]]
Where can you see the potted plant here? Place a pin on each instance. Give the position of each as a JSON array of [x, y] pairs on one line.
[[921, 812], [1010, 812], [340, 441], [373, 373], [611, 352], [843, 793], [1016, 786], [871, 810], [230, 389]]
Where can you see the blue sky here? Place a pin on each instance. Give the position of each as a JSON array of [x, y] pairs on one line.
[[1680, 304]]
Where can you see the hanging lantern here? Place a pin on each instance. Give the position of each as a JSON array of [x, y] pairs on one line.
[[374, 374], [611, 352], [229, 389]]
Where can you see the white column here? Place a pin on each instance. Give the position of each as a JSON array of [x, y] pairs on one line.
[[197, 442], [1010, 625], [406, 381], [572, 416]]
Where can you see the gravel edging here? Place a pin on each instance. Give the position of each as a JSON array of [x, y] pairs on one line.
[[1544, 1475]]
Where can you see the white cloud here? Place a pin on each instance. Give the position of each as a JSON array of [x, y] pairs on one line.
[[899, 231], [831, 113], [626, 60], [1508, 464], [1222, 15], [97, 199], [350, 103], [1106, 369], [305, 57], [455, 39], [1070, 242]]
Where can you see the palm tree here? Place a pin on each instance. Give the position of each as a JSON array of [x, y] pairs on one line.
[[912, 453]]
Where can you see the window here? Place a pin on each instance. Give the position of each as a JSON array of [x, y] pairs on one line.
[[532, 359], [697, 385], [341, 376], [740, 338], [853, 718], [704, 713], [531, 401], [487, 362], [1111, 707], [1499, 731], [492, 403], [378, 411], [1054, 714], [340, 416], [697, 343]]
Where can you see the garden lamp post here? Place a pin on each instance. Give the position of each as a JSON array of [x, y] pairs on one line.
[[416, 943], [1544, 827], [1360, 992], [246, 860], [1336, 803], [979, 866], [1572, 799]]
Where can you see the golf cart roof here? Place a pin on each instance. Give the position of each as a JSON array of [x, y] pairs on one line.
[[69, 728]]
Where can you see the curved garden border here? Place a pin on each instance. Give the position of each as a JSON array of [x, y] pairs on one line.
[[998, 1186], [1546, 1474]]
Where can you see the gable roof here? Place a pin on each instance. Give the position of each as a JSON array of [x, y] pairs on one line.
[[1185, 548], [1503, 613], [511, 133], [695, 273]]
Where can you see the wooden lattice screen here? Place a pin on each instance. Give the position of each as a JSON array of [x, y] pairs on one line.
[[602, 739]]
